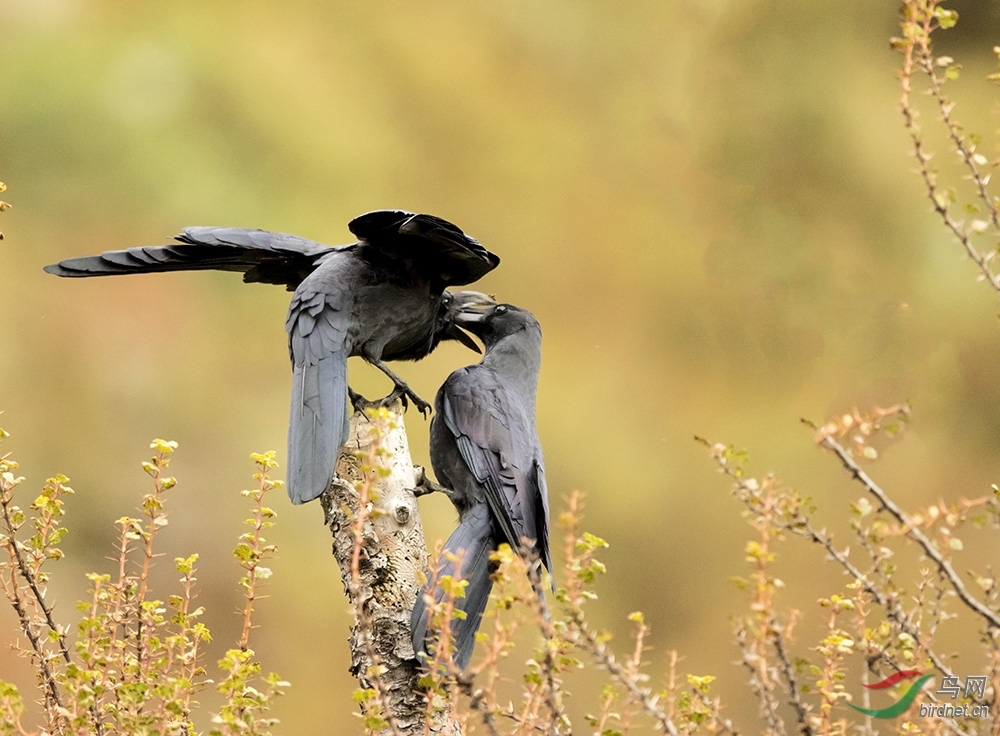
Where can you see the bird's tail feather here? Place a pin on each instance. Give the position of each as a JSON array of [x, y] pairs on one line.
[[472, 542], [318, 425], [199, 248], [155, 259]]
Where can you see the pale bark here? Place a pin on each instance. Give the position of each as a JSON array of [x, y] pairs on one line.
[[385, 583]]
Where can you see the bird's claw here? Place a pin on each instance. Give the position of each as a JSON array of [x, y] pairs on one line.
[[422, 406], [359, 402], [405, 394], [425, 485]]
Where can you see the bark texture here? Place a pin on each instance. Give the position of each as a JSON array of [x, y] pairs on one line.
[[380, 574]]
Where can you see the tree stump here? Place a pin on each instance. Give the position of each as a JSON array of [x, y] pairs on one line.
[[381, 551]]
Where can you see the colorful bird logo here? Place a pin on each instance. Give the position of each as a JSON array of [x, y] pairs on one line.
[[904, 702]]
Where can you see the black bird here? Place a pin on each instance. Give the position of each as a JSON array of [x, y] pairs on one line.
[[381, 298], [485, 452]]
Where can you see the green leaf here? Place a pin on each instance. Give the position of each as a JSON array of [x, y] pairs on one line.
[[946, 18]]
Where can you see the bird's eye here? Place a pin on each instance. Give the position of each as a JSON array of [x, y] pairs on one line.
[[502, 309], [447, 298]]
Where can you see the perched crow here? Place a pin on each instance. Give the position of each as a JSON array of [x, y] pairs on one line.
[[381, 298], [485, 452]]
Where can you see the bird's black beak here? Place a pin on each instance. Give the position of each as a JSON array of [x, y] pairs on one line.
[[472, 316], [467, 305], [457, 333], [472, 301]]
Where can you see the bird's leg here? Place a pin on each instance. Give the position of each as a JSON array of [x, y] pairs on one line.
[[426, 486], [402, 391]]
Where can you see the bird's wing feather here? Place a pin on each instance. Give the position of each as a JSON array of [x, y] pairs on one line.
[[542, 512], [487, 431], [317, 328], [449, 255], [262, 256]]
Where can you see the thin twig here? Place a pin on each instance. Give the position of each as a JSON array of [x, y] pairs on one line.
[[991, 617], [938, 199], [801, 710], [548, 632], [799, 524], [607, 660], [14, 550], [760, 687], [32, 580], [712, 706], [477, 697]]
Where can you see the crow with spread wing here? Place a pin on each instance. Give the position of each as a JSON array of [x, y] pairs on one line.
[[382, 298]]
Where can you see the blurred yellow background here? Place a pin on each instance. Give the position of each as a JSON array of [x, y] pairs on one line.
[[709, 205]]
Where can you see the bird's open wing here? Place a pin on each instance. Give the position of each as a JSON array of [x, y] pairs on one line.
[[493, 438], [262, 256], [444, 252]]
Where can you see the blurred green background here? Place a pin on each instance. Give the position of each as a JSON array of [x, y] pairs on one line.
[[709, 205]]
